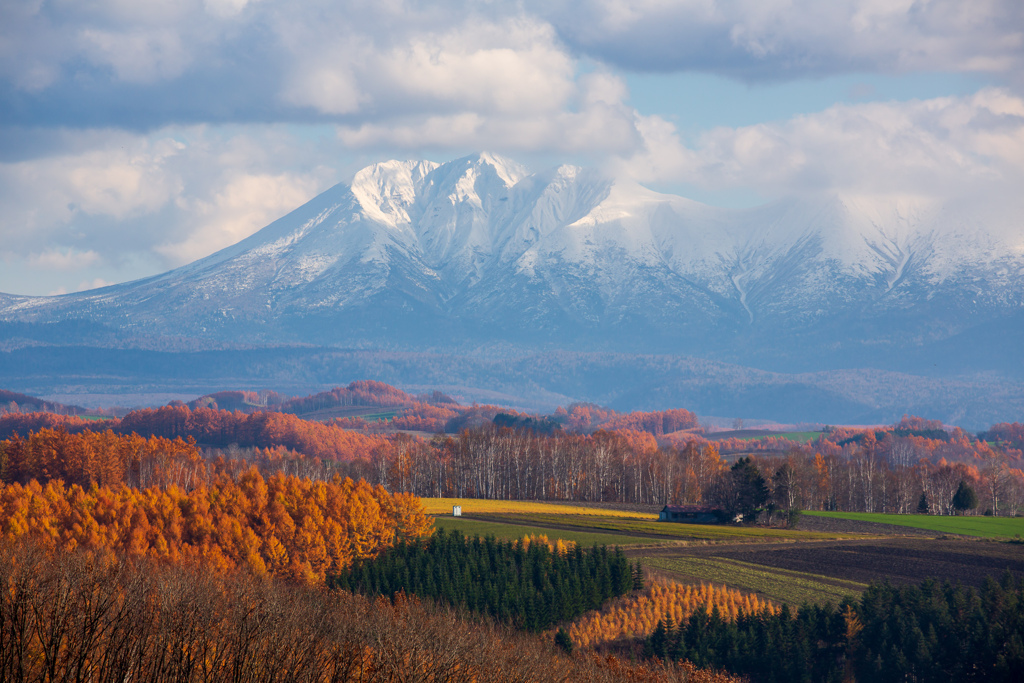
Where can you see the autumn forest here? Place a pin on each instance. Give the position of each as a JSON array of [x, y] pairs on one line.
[[293, 531]]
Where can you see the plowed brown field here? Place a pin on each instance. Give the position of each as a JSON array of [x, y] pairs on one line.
[[898, 560]]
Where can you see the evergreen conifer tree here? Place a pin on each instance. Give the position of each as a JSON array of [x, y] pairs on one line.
[[965, 498], [638, 577], [563, 640]]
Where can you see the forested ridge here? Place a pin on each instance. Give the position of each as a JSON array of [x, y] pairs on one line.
[[341, 407], [212, 427]]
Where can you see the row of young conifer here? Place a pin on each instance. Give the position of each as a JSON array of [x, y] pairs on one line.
[[530, 585], [930, 632], [635, 615]]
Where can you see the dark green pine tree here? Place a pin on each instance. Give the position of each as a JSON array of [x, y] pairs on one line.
[[638, 577], [965, 498], [563, 640], [657, 643], [670, 636]]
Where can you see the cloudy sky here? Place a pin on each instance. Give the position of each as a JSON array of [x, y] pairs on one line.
[[136, 136]]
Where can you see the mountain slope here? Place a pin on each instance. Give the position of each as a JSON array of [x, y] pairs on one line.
[[479, 250]]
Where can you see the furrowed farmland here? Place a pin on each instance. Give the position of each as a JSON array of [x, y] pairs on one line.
[[793, 566]]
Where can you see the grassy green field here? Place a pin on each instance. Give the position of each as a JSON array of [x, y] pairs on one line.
[[802, 437], [511, 532], [985, 527], [650, 527], [366, 414], [383, 415], [782, 585]]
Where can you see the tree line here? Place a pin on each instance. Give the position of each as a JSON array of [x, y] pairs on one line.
[[867, 475], [212, 427], [223, 419], [891, 470]]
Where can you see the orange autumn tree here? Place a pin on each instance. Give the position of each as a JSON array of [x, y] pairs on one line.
[[657, 423], [282, 526], [104, 458], [636, 615]]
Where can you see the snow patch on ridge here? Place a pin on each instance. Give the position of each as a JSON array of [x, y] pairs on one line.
[[385, 191]]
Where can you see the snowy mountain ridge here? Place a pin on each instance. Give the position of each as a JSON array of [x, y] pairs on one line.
[[479, 250]]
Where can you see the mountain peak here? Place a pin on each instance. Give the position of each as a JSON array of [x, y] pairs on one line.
[[510, 172], [387, 189]]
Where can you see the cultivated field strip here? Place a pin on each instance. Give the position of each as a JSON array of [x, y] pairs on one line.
[[511, 532], [897, 560], [782, 585], [648, 528]]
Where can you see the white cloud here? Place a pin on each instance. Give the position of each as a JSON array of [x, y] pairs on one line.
[[603, 87], [140, 56], [599, 128], [512, 65], [366, 62], [64, 259], [120, 183], [326, 88], [587, 114], [773, 39], [941, 147], [120, 176], [241, 207], [94, 283], [225, 8], [130, 204]]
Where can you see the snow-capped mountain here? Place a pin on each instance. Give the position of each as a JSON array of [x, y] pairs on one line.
[[481, 250]]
